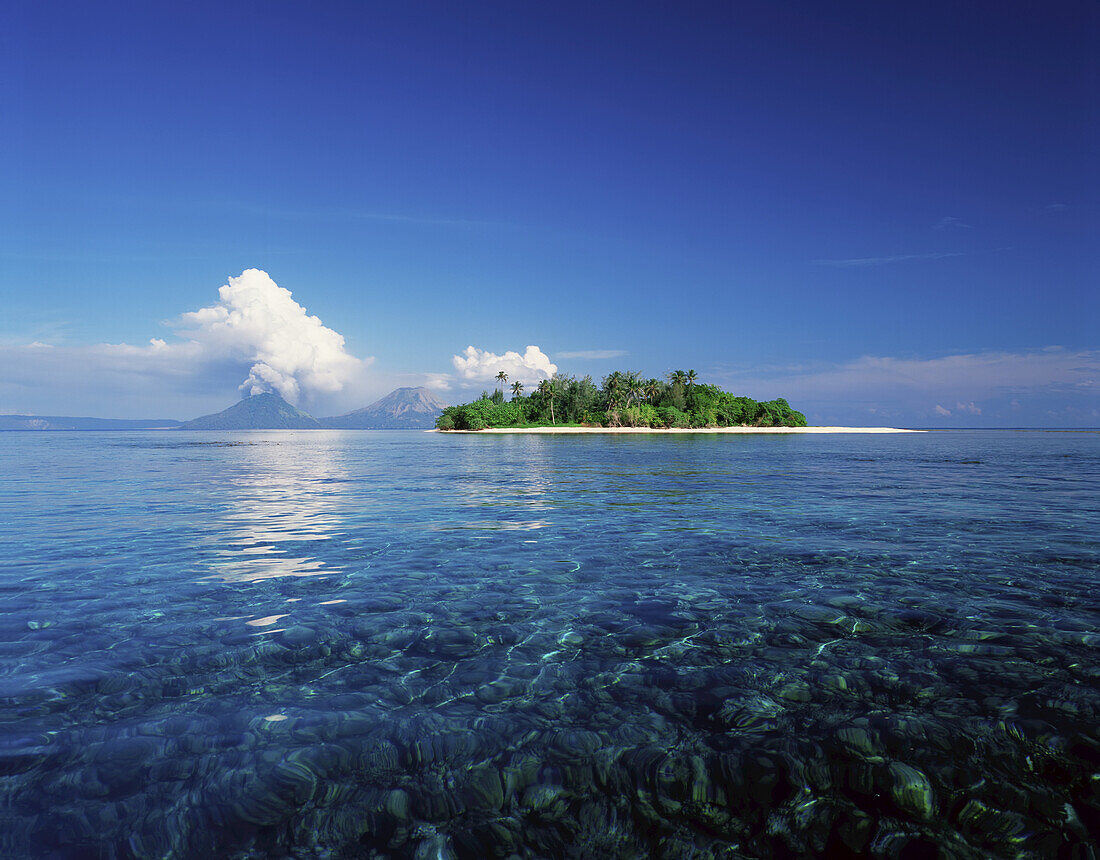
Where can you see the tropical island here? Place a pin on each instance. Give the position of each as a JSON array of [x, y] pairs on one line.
[[625, 400]]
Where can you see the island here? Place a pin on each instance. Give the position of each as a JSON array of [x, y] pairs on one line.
[[625, 401]]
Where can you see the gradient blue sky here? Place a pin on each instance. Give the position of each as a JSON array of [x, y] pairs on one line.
[[886, 212]]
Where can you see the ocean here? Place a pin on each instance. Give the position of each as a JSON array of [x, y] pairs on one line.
[[401, 644]]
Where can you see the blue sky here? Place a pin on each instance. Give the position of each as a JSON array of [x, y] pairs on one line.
[[886, 212]]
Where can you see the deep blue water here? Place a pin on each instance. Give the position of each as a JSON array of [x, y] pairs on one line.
[[382, 644]]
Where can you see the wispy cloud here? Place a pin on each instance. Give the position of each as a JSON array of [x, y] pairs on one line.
[[437, 381], [979, 386], [356, 214], [862, 262], [21, 324], [1055, 207], [417, 219], [592, 354], [949, 222]]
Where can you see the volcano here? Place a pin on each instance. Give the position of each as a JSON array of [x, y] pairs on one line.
[[401, 409], [258, 412]]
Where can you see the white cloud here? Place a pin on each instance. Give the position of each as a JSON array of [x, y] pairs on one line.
[[1056, 379], [256, 331], [256, 320], [939, 410], [479, 365], [592, 354], [984, 371], [437, 381]]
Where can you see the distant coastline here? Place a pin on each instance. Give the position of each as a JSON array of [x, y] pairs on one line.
[[707, 430]]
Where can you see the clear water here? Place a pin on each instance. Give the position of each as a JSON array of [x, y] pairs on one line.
[[374, 644]]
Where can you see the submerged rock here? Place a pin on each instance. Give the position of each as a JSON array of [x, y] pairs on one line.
[[912, 791]]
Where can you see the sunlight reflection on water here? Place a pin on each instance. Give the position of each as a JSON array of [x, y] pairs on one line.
[[281, 496]]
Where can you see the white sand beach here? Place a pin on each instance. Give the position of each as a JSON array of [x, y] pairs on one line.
[[615, 430]]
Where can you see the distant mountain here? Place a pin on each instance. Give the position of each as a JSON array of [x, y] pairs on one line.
[[57, 422], [258, 412], [403, 409]]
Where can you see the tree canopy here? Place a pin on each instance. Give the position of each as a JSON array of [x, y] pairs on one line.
[[625, 399]]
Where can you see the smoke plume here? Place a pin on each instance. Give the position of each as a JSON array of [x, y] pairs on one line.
[[257, 320]]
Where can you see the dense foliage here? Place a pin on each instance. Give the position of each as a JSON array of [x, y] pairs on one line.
[[625, 400]]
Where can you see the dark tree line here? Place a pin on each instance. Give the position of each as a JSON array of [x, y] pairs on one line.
[[626, 399]]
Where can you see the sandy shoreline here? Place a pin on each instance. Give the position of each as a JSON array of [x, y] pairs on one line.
[[573, 430]]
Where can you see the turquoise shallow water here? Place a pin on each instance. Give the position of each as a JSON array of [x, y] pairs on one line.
[[382, 644]]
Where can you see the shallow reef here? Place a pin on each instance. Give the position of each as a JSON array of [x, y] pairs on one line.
[[478, 722], [523, 648]]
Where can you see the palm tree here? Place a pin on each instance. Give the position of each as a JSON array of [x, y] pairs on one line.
[[678, 379], [613, 385], [652, 391], [546, 389], [691, 377], [502, 377], [517, 389], [634, 387]]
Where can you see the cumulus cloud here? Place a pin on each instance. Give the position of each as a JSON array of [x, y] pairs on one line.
[[479, 365], [255, 332], [970, 407], [256, 320], [939, 410]]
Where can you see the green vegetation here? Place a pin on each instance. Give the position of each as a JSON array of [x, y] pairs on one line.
[[625, 400]]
